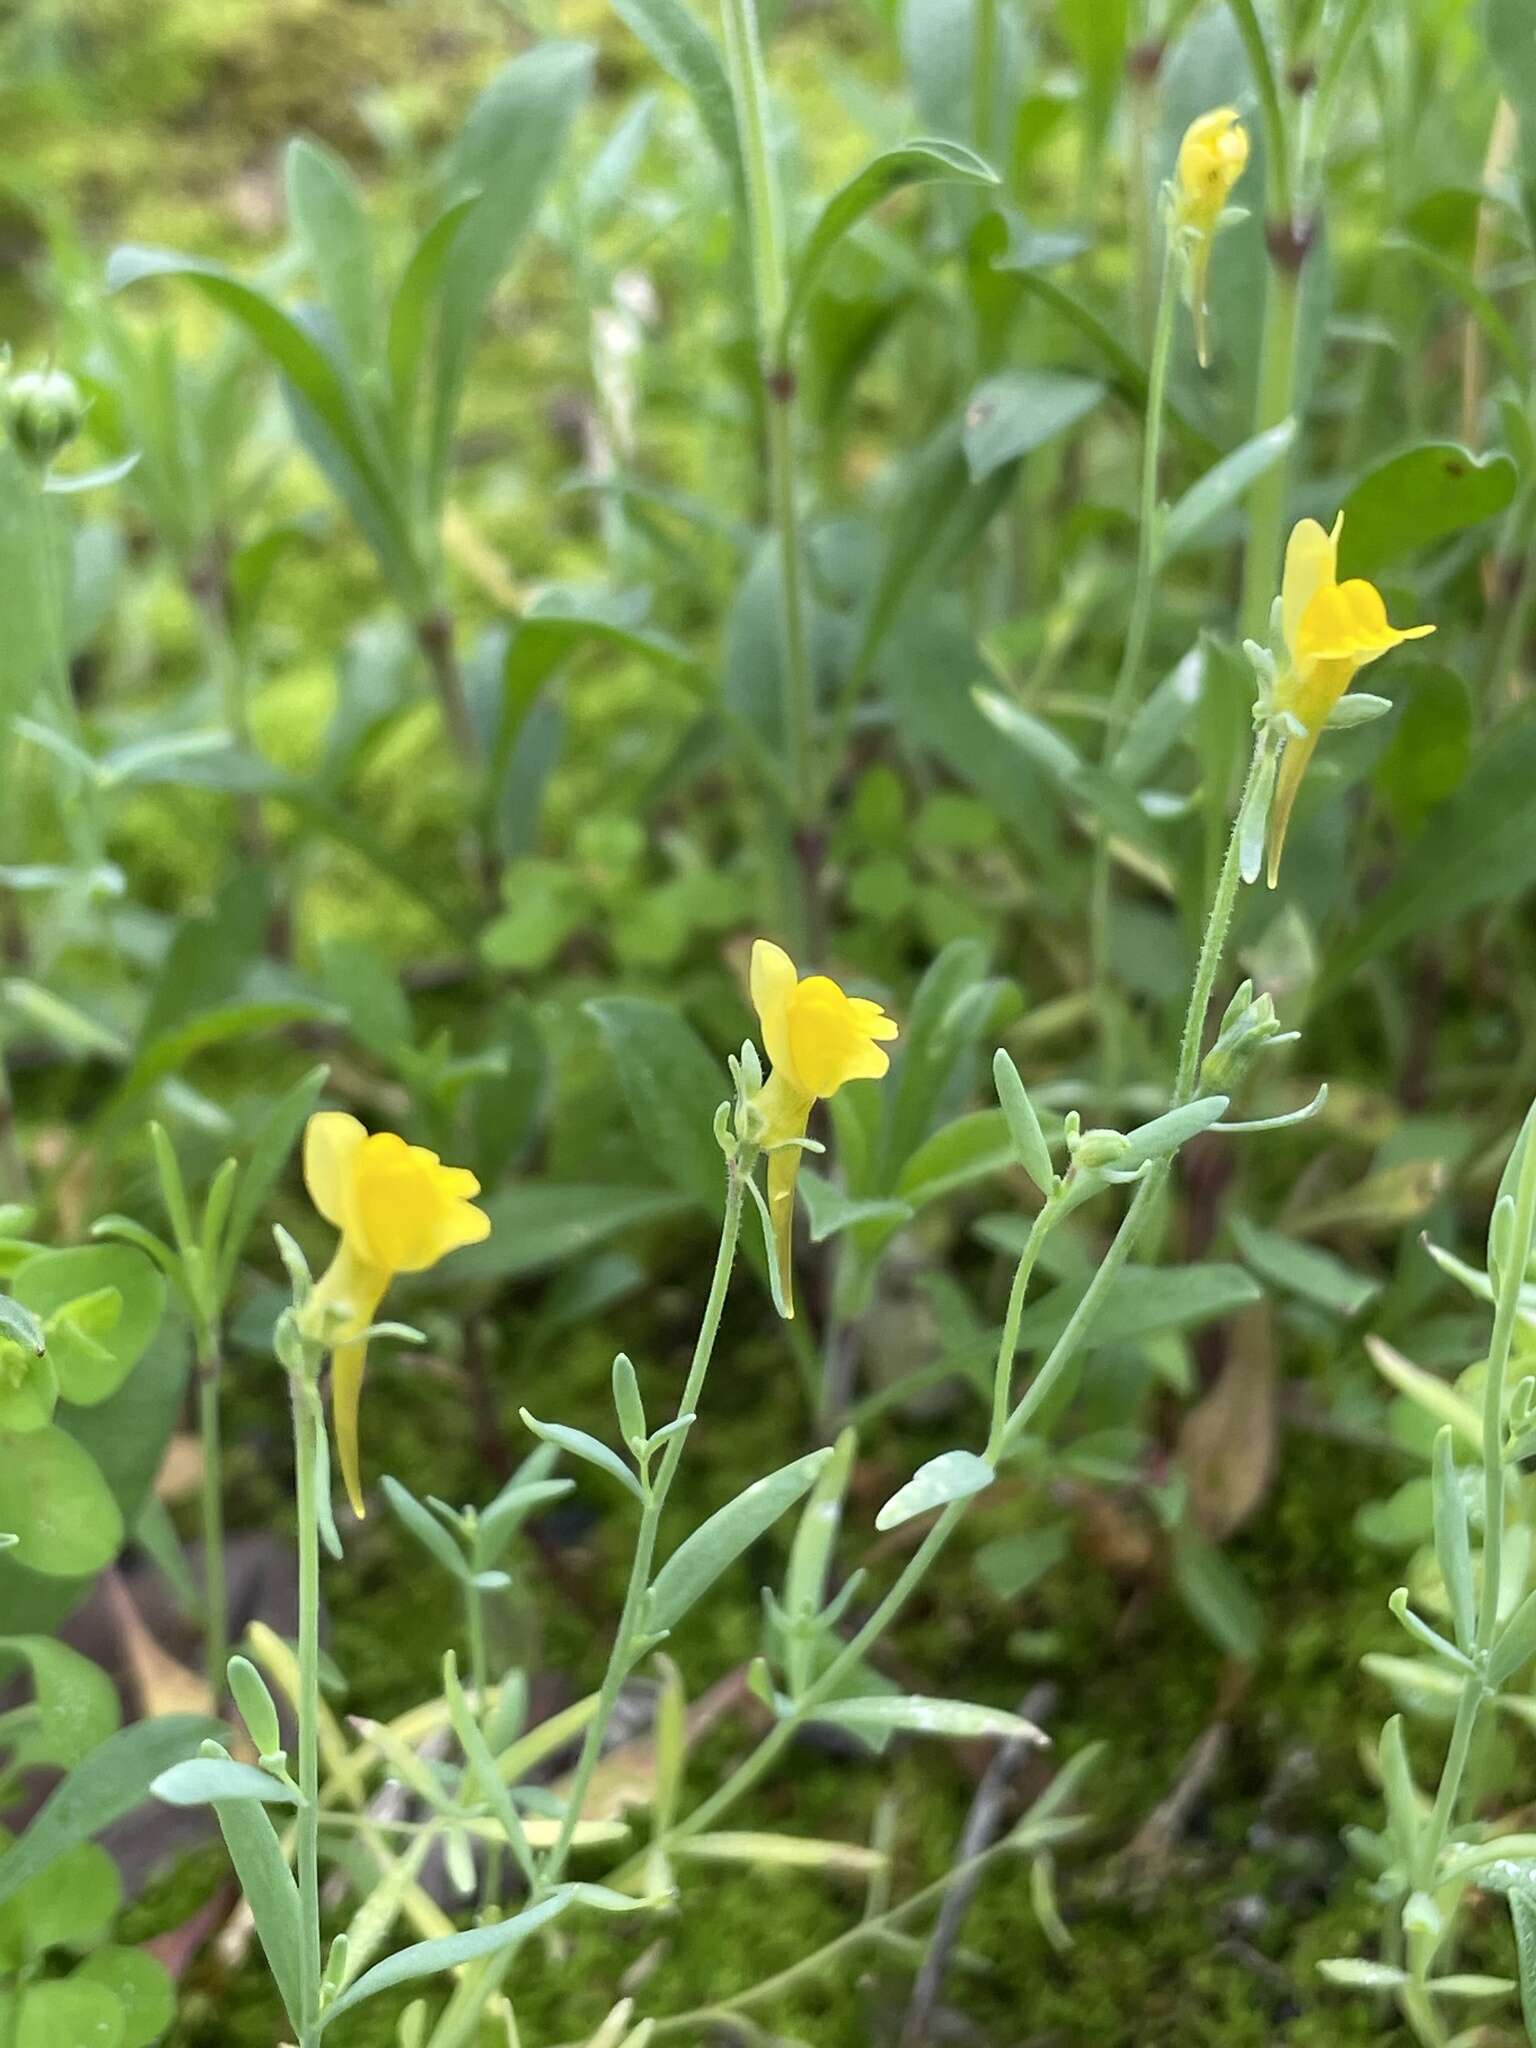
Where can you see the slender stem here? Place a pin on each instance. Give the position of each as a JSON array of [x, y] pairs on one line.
[[210, 1366], [984, 41], [1008, 1349], [871, 1929], [306, 1424], [749, 93], [1474, 1692], [621, 1656], [1213, 945], [1135, 649], [1062, 1353], [434, 636], [1276, 397], [1277, 142], [1133, 655]]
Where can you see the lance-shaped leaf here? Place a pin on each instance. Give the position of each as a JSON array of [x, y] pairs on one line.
[[1453, 1547], [1222, 487], [953, 1475], [700, 1559], [914, 1714], [912, 163]]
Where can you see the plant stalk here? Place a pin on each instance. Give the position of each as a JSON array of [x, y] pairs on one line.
[[307, 1422], [210, 1368], [1133, 655], [621, 1656]]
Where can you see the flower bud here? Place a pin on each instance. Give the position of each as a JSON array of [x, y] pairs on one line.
[[44, 412], [1096, 1149], [1245, 1031]]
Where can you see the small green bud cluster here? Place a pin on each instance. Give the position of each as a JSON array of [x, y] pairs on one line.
[[44, 411]]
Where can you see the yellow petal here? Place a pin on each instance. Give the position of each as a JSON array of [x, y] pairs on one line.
[[409, 1210], [331, 1143], [832, 1041], [1311, 564], [773, 980], [1348, 622]]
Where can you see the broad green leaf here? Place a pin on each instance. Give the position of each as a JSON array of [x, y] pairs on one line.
[[686, 52], [1018, 411], [1065, 770], [74, 1705], [54, 1499], [1302, 1269], [935, 515], [85, 2015], [508, 151], [71, 1904], [110, 1782], [1416, 498], [540, 1225], [972, 1148], [953, 1004], [210, 1781], [1221, 489], [353, 463], [953, 1475], [57, 1286], [327, 213], [913, 1714], [1431, 745], [578, 1444], [911, 163], [268, 1888], [141, 1984], [1476, 849], [673, 1088], [700, 1558], [412, 309], [830, 1210]]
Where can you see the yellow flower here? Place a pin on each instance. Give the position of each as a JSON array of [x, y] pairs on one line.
[[1212, 157], [1332, 630], [399, 1210], [816, 1038]]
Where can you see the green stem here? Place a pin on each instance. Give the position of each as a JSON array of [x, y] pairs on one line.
[[1474, 1691], [1276, 399], [621, 1656], [1133, 655], [871, 1929], [1062, 1353], [984, 77], [1008, 1349], [210, 1366], [1277, 141], [307, 1423], [765, 234], [1213, 944]]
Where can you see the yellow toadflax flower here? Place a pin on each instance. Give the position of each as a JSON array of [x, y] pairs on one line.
[[1332, 630], [816, 1038], [1212, 157], [399, 1210]]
